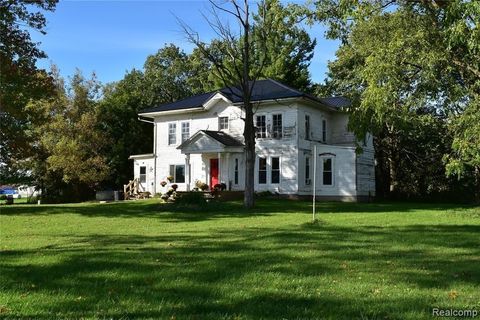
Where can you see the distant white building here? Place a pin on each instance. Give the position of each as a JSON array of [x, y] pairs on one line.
[[201, 138], [28, 191]]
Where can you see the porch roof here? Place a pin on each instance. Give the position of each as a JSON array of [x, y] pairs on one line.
[[207, 141]]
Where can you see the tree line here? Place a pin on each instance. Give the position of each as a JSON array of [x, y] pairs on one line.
[[410, 68]]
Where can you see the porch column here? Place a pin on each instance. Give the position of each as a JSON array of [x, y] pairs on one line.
[[219, 167], [187, 170], [227, 165]]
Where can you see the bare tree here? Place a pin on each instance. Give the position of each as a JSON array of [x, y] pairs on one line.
[[239, 64]]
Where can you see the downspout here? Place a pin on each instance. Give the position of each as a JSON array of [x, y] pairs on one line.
[[154, 153]]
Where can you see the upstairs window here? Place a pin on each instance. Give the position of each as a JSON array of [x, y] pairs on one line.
[[262, 170], [275, 177], [324, 130], [327, 172], [277, 126], [172, 133], [307, 127], [185, 131], [223, 123], [143, 174], [261, 127], [178, 173]]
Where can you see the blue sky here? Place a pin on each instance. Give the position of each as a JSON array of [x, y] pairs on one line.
[[111, 37]]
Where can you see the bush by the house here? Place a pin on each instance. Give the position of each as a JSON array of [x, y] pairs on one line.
[[220, 187], [191, 199]]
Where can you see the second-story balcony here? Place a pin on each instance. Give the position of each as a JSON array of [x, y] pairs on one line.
[[277, 133]]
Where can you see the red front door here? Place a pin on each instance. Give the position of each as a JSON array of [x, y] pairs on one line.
[[213, 172]]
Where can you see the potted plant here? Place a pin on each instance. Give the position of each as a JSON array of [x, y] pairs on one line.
[[174, 187], [170, 178], [163, 183]]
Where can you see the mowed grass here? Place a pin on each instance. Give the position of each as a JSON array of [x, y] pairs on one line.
[[139, 260]]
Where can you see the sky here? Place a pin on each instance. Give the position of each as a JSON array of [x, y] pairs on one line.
[[112, 37]]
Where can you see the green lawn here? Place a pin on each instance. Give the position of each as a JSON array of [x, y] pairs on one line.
[[138, 260]]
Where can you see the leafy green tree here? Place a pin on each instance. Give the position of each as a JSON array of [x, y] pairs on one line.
[[289, 46], [20, 80], [399, 59], [166, 76], [70, 144], [118, 117]]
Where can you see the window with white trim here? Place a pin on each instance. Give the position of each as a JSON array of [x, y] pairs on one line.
[[172, 133], [222, 123], [262, 170], [277, 126], [143, 174], [185, 131], [327, 171], [177, 171], [261, 127], [275, 173]]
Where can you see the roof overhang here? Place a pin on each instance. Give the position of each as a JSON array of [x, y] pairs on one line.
[[141, 156], [163, 113], [205, 106], [307, 100]]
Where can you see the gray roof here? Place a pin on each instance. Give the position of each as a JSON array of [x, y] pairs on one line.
[[225, 139], [262, 90], [337, 102]]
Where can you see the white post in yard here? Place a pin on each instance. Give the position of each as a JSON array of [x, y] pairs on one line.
[[314, 178]]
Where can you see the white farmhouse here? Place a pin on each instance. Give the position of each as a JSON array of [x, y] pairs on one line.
[[201, 139]]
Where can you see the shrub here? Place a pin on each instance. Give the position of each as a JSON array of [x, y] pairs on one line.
[[191, 200], [220, 187], [263, 194], [3, 197]]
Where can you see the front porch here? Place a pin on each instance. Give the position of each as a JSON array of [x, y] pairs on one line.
[[214, 151]]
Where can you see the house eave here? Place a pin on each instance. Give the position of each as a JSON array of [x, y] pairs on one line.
[[293, 99], [168, 112], [141, 156]]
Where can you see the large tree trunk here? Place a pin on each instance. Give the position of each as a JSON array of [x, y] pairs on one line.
[[393, 162], [249, 135], [249, 130]]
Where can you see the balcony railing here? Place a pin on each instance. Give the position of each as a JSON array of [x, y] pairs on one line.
[[277, 133]]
